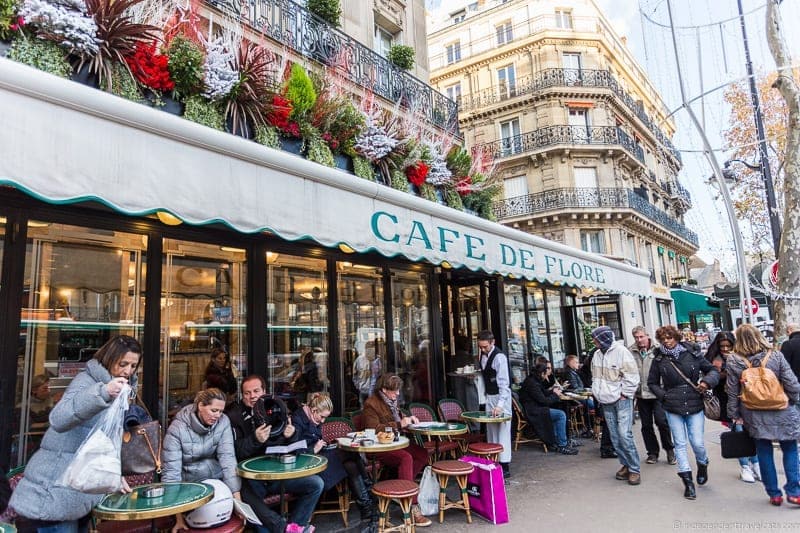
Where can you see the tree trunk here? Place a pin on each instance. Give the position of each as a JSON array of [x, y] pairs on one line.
[[787, 305]]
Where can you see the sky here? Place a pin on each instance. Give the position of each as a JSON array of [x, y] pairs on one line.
[[711, 52]]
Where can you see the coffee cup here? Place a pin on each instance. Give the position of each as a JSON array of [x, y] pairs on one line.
[[460, 370]]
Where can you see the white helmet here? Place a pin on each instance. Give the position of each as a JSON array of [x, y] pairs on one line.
[[217, 511]]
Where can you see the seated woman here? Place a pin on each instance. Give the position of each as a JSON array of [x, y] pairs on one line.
[[198, 445], [381, 411], [220, 373], [307, 422], [538, 401]]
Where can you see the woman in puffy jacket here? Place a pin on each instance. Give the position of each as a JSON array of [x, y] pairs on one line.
[[91, 392], [198, 445], [766, 426], [683, 400]]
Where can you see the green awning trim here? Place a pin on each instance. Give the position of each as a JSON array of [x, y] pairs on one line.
[[671, 254], [687, 302], [660, 250]]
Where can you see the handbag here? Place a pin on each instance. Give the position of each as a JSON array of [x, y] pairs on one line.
[[486, 489], [141, 444], [711, 406], [735, 444]]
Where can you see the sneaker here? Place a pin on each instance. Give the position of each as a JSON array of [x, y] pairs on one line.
[[622, 473], [747, 474], [776, 500], [634, 478], [420, 520], [671, 457], [756, 471], [651, 459], [566, 450]]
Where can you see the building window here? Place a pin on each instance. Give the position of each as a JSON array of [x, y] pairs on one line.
[[509, 134], [504, 33], [453, 52], [585, 177], [506, 82], [663, 266], [630, 249], [515, 187], [453, 92], [383, 41], [571, 62], [593, 240], [564, 19], [579, 119]]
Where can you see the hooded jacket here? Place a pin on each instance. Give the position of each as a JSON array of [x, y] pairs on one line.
[[193, 451], [71, 420], [614, 374]]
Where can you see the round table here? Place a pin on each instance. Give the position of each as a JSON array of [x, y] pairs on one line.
[[483, 417], [347, 444], [438, 429], [178, 498], [270, 468]]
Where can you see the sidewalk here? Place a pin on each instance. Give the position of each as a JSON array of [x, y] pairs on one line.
[[566, 494]]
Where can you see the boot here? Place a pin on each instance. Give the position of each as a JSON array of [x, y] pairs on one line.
[[702, 474], [363, 497], [689, 492]]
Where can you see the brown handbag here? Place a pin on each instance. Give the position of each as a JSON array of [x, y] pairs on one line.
[[141, 448]]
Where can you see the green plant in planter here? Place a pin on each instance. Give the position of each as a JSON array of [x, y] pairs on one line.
[[319, 152], [300, 92], [428, 191], [328, 10], [245, 103], [122, 83], [401, 56], [399, 181], [363, 168], [453, 199], [8, 13], [44, 55], [185, 66], [268, 136], [204, 112]]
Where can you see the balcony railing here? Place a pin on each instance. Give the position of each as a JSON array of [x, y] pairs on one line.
[[293, 26], [680, 195], [555, 135], [571, 198], [563, 77]]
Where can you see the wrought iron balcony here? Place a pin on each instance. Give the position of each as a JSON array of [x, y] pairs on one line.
[[295, 27], [563, 77], [572, 198], [556, 135], [680, 196]]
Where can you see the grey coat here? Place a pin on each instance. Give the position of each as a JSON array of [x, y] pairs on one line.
[[778, 425], [71, 420], [193, 451]]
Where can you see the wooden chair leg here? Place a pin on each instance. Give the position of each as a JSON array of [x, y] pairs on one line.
[[444, 480], [408, 520], [383, 512], [462, 485]]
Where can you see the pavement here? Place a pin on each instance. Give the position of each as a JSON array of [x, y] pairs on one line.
[[565, 494]]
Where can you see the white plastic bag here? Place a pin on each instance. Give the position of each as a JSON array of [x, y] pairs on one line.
[[96, 467], [428, 497]]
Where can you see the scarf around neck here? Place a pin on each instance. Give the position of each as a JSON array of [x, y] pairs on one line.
[[674, 352], [392, 405]]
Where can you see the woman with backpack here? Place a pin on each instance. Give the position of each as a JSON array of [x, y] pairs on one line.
[[762, 394]]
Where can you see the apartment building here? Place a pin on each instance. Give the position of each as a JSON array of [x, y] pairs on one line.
[[578, 134]]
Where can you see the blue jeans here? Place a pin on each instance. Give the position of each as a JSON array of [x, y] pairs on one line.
[[619, 419], [682, 426], [768, 474], [559, 419], [307, 491], [70, 526], [745, 461]]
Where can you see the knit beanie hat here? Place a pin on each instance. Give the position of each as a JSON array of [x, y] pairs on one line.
[[604, 336]]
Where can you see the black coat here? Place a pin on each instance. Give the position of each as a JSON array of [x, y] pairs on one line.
[[791, 351], [676, 395], [306, 430], [245, 442], [536, 402]]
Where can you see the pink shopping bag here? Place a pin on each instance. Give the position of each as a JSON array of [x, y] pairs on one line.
[[487, 490]]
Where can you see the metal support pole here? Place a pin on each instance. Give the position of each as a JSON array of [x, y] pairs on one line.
[[766, 172]]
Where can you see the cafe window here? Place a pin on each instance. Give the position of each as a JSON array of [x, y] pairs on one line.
[[411, 319], [517, 334], [297, 326], [83, 286], [555, 328]]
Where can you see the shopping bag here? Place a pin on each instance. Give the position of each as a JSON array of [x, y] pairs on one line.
[[735, 444], [487, 490], [428, 497], [96, 467]]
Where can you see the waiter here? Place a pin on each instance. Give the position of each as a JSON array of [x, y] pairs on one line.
[[497, 383]]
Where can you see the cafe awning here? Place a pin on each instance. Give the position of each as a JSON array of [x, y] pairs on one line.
[[66, 143], [688, 302]]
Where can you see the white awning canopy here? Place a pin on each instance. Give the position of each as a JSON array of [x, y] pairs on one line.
[[64, 142]]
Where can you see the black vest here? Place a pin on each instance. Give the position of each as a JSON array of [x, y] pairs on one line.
[[490, 374]]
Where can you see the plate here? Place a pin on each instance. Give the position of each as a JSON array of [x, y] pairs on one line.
[[356, 434], [428, 425]]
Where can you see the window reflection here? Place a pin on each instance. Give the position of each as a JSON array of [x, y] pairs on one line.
[[411, 318]]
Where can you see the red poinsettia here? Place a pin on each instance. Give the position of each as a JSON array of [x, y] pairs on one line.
[[417, 173], [464, 186], [150, 68], [279, 114]]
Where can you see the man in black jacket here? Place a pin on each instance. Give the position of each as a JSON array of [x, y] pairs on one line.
[[250, 441], [791, 348]]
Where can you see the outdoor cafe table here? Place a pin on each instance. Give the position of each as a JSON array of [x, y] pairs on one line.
[[438, 430], [483, 417], [347, 444], [270, 468], [177, 498]]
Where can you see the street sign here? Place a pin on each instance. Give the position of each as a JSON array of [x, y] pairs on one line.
[[754, 307]]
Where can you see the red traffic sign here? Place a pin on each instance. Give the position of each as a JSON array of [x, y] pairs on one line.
[[754, 307]]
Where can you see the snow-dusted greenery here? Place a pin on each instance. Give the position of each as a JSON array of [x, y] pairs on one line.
[[63, 21], [374, 143], [438, 174], [220, 76]]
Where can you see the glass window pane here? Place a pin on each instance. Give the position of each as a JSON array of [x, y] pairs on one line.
[[297, 330], [362, 330], [412, 319], [517, 335], [556, 327], [83, 286], [538, 323], [203, 321]]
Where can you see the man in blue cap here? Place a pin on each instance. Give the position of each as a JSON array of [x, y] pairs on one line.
[[615, 379]]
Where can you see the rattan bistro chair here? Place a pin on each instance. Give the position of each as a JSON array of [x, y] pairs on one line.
[[523, 427], [332, 429], [445, 446]]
